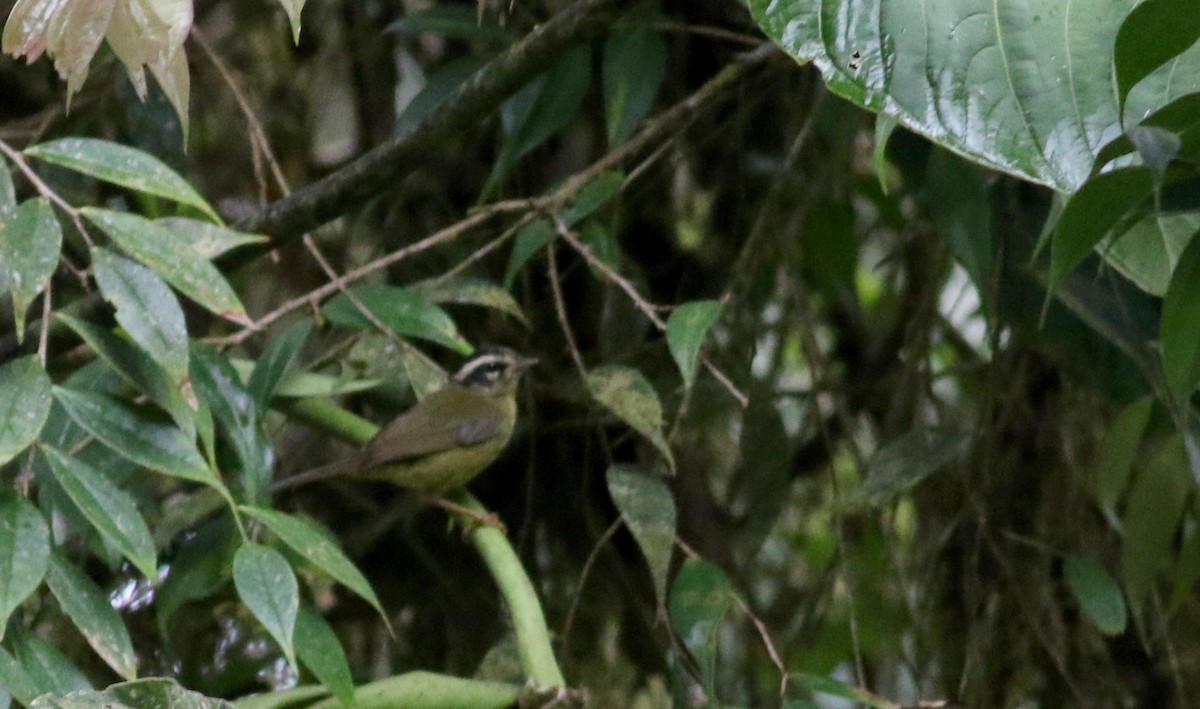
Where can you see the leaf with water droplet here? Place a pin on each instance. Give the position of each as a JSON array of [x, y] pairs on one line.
[[266, 584]]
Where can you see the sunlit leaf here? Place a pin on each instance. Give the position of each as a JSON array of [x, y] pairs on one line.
[[627, 393], [404, 310], [108, 508], [648, 508], [121, 165], [321, 652], [1179, 329], [209, 240], [30, 242], [89, 609], [1097, 593], [309, 542], [473, 291], [24, 405], [267, 586], [24, 553], [146, 309], [701, 597], [634, 64], [1119, 450], [154, 444], [686, 330], [171, 258], [275, 362]]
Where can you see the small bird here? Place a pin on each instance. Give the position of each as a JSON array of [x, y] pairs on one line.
[[447, 439]]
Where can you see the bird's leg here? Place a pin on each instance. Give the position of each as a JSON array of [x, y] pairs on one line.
[[477, 518]]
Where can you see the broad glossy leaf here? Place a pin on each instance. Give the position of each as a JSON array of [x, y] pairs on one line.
[[1097, 593], [701, 597], [1152, 516], [30, 242], [628, 394], [16, 681], [473, 291], [1023, 87], [686, 330], [171, 258], [909, 459], [314, 546], [209, 240], [110, 509], [138, 369], [275, 362], [47, 666], [1155, 32], [1148, 251], [1119, 450], [219, 387], [293, 8], [121, 165], [635, 61], [24, 553], [529, 239], [267, 586], [89, 609], [648, 508], [24, 405], [404, 310], [1179, 329], [153, 444], [321, 652], [146, 308]]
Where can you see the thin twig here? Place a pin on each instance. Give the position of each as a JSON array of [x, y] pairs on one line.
[[583, 576], [560, 309], [45, 190]]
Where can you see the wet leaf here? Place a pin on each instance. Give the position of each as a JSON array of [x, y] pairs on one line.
[[24, 405], [30, 242], [24, 553], [626, 392], [648, 508], [320, 651], [89, 609], [1097, 593], [209, 240], [686, 330], [267, 586], [405, 310]]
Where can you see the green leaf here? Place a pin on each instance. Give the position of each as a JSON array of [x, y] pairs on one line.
[[158, 693], [1146, 253], [648, 508], [219, 387], [686, 330], [108, 508], [404, 310], [314, 546], [1152, 517], [267, 586], [439, 86], [529, 239], [305, 385], [89, 609], [957, 195], [293, 8], [451, 21], [8, 193], [1154, 32], [602, 241], [138, 369], [634, 64], [171, 258], [275, 362], [209, 240], [1179, 329], [153, 444], [626, 393], [593, 195], [1092, 213], [701, 597], [198, 568], [24, 405], [146, 308], [423, 376], [15, 680], [30, 242], [909, 459], [320, 651], [884, 127], [24, 552], [828, 685], [1097, 593], [121, 165], [49, 668], [1119, 450], [1156, 146], [472, 291]]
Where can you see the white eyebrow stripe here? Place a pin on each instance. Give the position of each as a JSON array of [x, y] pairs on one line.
[[470, 367]]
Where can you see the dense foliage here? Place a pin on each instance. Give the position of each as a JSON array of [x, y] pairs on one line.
[[889, 405]]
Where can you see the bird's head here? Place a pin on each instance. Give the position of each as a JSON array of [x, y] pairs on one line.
[[495, 370]]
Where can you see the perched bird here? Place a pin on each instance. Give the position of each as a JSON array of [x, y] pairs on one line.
[[447, 439]]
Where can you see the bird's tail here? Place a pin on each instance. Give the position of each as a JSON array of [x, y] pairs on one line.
[[324, 472]]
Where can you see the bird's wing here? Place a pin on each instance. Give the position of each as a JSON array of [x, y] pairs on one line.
[[437, 424]]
